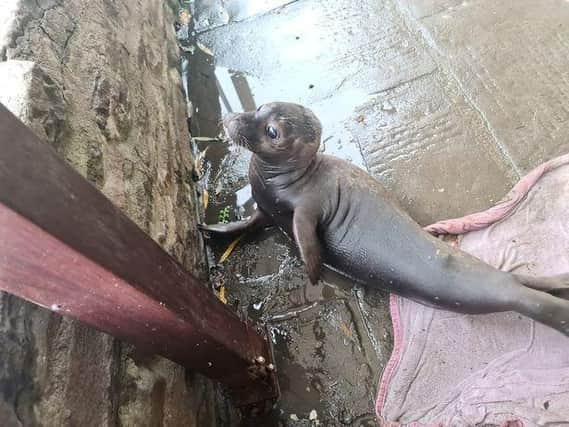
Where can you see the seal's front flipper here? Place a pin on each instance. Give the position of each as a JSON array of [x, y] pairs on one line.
[[304, 229], [257, 220]]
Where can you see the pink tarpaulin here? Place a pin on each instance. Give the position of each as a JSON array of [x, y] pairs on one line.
[[501, 369]]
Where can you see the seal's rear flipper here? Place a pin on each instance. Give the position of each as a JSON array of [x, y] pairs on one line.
[[560, 293], [554, 285], [544, 308]]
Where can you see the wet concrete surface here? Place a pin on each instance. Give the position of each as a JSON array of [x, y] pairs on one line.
[[446, 102]]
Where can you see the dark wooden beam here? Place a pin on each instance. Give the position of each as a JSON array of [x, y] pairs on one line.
[[66, 247]]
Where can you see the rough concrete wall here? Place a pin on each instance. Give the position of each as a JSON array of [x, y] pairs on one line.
[[98, 81]]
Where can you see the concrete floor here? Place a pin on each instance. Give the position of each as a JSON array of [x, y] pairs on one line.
[[446, 102]]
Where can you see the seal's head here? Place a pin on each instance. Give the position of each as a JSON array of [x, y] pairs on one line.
[[277, 132]]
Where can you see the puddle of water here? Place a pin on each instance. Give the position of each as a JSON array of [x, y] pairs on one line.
[[226, 182], [242, 92], [214, 13]]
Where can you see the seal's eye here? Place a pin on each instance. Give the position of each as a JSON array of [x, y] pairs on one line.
[[272, 132]]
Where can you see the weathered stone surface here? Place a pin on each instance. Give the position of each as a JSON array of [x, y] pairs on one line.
[[424, 141], [511, 59], [155, 392], [99, 82]]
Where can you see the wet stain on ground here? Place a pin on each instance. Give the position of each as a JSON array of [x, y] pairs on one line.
[[327, 360]]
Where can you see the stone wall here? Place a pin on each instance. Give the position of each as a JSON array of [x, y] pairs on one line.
[[99, 81]]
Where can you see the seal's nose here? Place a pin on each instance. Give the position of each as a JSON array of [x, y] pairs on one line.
[[229, 121], [230, 124]]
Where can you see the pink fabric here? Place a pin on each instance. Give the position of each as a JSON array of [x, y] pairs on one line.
[[503, 369], [390, 372], [391, 368]]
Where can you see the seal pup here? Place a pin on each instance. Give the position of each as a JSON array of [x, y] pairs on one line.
[[341, 217]]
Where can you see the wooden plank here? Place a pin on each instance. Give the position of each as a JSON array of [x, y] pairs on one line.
[[66, 247]]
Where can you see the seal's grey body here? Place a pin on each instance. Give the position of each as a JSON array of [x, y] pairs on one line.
[[365, 235], [340, 216]]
